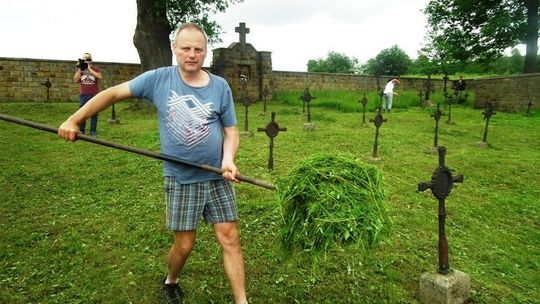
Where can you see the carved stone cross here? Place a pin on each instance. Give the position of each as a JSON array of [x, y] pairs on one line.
[[378, 121], [441, 184], [242, 30], [272, 130]]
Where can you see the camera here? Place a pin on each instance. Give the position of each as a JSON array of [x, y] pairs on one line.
[[83, 65]]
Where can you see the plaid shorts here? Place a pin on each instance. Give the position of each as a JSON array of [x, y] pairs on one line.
[[214, 199]]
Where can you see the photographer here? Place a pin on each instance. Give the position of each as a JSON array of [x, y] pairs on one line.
[[87, 75]]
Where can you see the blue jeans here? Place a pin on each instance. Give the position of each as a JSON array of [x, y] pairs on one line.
[[83, 99]]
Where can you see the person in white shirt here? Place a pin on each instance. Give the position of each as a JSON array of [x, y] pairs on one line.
[[388, 93]]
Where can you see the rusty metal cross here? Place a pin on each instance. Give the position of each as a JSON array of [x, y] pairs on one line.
[[441, 184], [488, 112], [437, 116], [529, 106], [272, 130], [363, 102], [306, 98], [377, 121]]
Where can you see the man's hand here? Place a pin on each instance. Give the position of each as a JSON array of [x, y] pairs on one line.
[[229, 171], [68, 130]]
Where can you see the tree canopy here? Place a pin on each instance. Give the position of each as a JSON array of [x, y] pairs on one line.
[[392, 61], [156, 19], [461, 30], [333, 63]]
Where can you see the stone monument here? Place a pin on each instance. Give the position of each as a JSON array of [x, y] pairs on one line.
[[241, 58]]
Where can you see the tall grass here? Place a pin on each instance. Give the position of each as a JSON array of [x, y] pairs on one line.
[[350, 101]]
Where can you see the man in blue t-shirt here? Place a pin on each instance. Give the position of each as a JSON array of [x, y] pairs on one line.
[[197, 123]]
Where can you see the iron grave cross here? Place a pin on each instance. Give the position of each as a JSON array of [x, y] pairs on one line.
[[440, 185], [272, 130], [306, 98], [437, 116], [488, 112], [377, 121]]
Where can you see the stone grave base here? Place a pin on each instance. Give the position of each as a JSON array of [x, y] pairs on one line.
[[262, 113], [483, 144], [309, 126], [451, 122], [374, 159], [114, 121], [452, 288], [246, 134]]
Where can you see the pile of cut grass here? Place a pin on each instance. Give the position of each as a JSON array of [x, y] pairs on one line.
[[331, 199]]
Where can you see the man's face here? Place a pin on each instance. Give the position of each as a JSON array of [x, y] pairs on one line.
[[190, 50]]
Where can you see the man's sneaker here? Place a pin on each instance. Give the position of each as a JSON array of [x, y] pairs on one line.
[[172, 293]]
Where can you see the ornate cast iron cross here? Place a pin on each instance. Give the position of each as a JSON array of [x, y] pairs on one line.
[[364, 102], [306, 98], [529, 106], [441, 184], [272, 130], [48, 85], [377, 121], [246, 102], [488, 112], [437, 116]]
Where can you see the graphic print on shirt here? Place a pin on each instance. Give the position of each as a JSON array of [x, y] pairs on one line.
[[187, 119], [87, 78]]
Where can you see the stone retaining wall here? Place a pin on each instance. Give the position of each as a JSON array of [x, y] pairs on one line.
[[23, 80]]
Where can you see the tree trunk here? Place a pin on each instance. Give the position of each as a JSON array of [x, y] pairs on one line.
[[151, 36], [531, 39]]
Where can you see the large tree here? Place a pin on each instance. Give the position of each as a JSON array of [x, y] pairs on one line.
[[334, 63], [461, 30], [156, 19]]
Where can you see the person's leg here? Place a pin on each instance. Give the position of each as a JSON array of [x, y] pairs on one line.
[[83, 99], [93, 125], [179, 253], [233, 258], [389, 106]]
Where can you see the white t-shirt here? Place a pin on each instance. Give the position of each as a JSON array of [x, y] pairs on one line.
[[389, 88]]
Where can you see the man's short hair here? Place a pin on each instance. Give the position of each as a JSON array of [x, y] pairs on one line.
[[190, 25]]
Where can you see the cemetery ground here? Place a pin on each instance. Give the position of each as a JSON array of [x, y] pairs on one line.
[[81, 223]]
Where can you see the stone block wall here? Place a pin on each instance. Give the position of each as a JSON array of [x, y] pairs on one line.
[[24, 79], [511, 93], [297, 81], [21, 80]]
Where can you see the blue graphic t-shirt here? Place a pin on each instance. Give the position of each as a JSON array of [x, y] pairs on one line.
[[191, 120]]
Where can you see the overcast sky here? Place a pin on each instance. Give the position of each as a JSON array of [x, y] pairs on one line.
[[295, 31]]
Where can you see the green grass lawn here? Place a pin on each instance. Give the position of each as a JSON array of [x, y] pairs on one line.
[[80, 223]]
